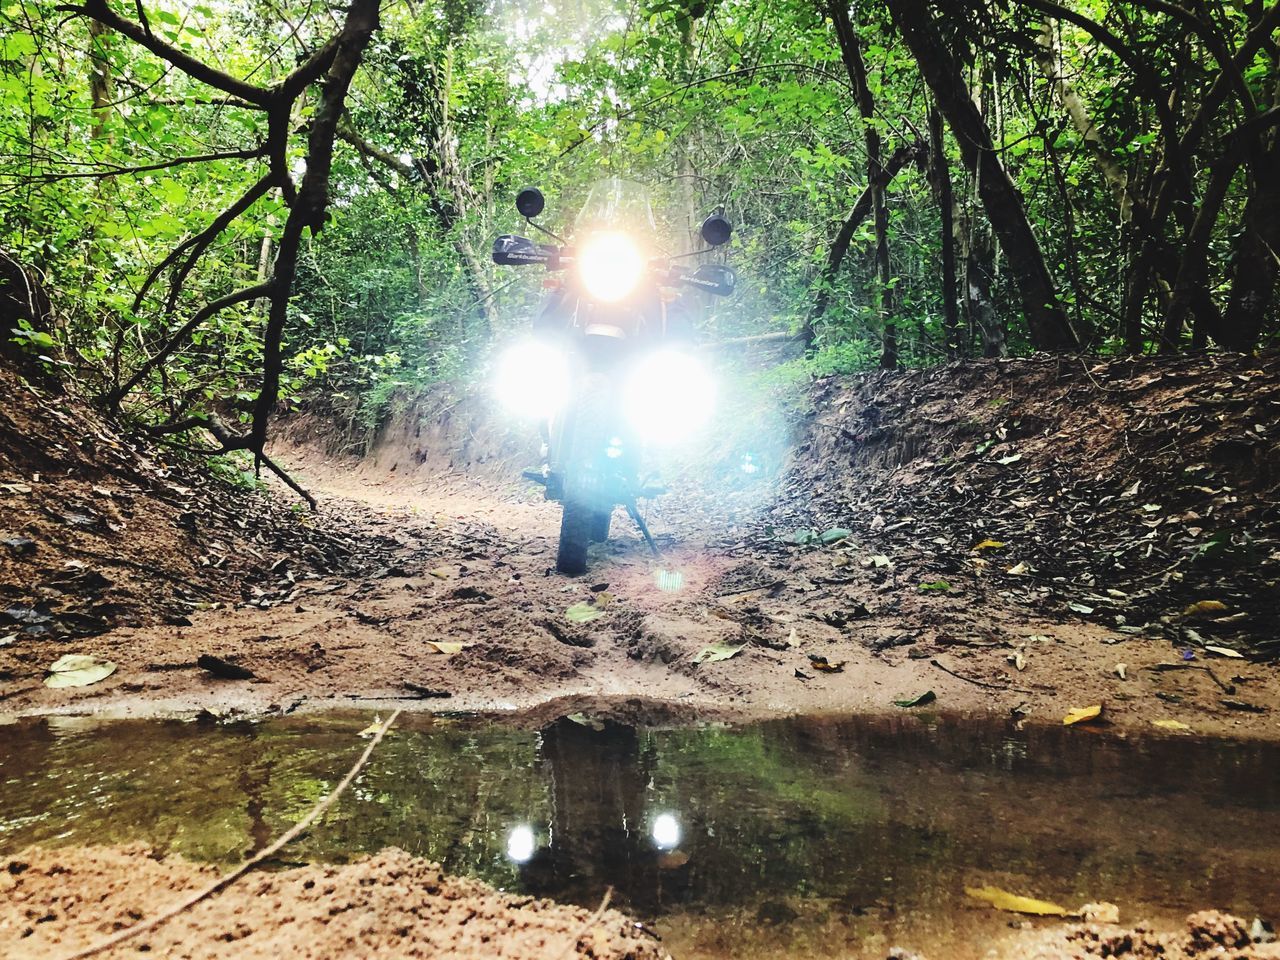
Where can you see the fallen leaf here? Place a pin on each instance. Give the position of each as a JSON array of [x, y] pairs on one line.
[[941, 586], [1082, 715], [1224, 651], [834, 535], [718, 651], [791, 640], [1204, 606], [446, 646], [989, 545], [372, 729], [442, 573], [1079, 607], [1018, 659], [825, 665], [603, 600], [583, 612], [1018, 569], [1132, 491], [15, 487], [927, 697], [5, 641], [880, 560], [1013, 458], [1120, 670], [1171, 724], [1003, 900], [78, 670]]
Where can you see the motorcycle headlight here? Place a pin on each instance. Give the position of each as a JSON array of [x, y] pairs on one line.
[[610, 265], [669, 396], [531, 379]]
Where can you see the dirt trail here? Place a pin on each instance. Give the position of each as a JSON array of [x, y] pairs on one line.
[[426, 577], [474, 567]]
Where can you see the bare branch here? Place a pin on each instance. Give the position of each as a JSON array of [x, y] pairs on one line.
[[114, 170]]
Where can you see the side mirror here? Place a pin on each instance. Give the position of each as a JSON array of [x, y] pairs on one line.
[[713, 278], [530, 201], [716, 230]]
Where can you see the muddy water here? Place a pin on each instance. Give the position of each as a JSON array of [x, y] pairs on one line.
[[808, 837]]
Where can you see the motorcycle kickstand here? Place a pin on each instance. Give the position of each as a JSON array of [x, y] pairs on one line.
[[634, 512]]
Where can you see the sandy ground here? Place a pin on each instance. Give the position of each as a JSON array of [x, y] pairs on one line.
[[474, 567]]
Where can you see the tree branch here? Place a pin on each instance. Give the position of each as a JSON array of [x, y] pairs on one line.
[[204, 313], [141, 34], [200, 241], [114, 170], [905, 154]]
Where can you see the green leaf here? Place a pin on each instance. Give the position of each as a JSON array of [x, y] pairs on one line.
[[835, 535], [78, 670], [718, 651], [927, 697], [941, 586], [583, 612]]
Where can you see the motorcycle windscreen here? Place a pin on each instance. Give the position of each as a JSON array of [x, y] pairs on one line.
[[618, 205]]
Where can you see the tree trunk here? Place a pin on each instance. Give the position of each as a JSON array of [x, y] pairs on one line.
[[100, 83], [840, 245], [1257, 259], [1049, 326], [311, 204], [940, 175], [851, 52]]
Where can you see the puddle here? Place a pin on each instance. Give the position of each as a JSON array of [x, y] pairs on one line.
[[799, 838]]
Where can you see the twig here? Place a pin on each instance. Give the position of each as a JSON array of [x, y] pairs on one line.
[[980, 683], [293, 484], [758, 586], [227, 879], [572, 946]]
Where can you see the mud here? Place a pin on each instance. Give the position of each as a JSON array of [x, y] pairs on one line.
[[53, 903]]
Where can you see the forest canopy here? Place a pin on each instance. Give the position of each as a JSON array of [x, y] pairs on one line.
[[207, 208]]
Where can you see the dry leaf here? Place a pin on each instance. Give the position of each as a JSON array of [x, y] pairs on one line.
[[791, 640], [78, 670], [1018, 569], [1204, 606], [989, 545], [443, 573], [1082, 715], [1171, 724], [1003, 900], [1224, 651], [446, 646], [1120, 669], [825, 665]]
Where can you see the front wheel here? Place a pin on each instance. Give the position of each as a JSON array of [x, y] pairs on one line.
[[575, 534], [600, 525]]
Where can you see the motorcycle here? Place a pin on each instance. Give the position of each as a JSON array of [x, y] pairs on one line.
[[608, 368]]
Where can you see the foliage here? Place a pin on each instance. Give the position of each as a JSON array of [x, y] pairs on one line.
[[111, 159]]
